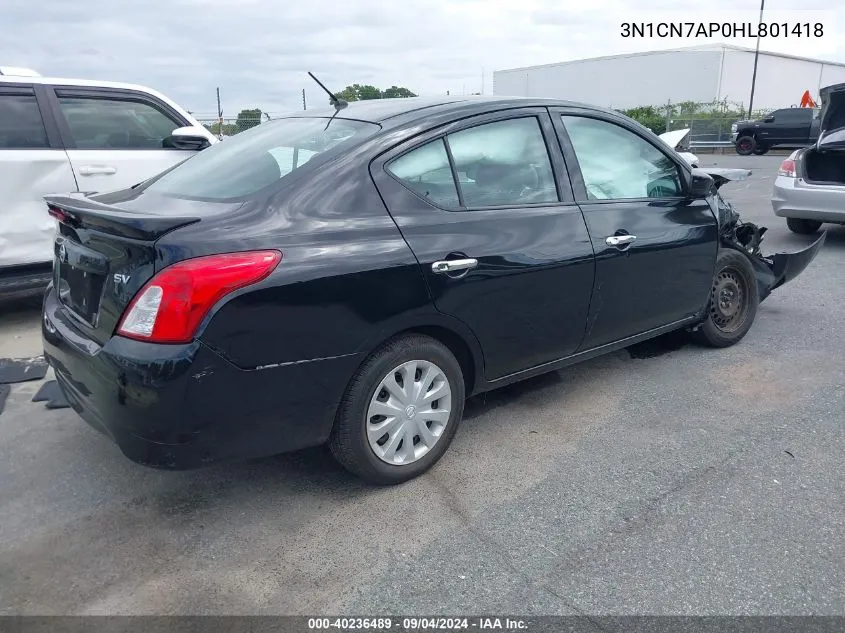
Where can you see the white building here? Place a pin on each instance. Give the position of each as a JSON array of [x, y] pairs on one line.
[[698, 73]]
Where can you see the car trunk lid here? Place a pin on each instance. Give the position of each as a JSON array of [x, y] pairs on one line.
[[832, 118], [103, 254]]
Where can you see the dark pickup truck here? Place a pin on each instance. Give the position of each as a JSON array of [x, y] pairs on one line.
[[788, 127]]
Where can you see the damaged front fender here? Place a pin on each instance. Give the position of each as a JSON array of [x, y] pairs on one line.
[[772, 271]]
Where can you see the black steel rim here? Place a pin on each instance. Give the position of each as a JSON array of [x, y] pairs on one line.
[[729, 300]]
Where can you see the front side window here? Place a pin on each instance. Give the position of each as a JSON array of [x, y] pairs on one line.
[[106, 123], [505, 163], [21, 126], [617, 164], [790, 115], [257, 158]]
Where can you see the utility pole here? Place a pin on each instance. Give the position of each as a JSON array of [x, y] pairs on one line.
[[482, 80], [756, 57], [219, 117], [303, 99]]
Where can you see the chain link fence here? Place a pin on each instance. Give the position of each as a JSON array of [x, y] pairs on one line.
[[231, 126], [709, 122]]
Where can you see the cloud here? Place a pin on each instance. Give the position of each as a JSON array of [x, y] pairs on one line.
[[258, 52]]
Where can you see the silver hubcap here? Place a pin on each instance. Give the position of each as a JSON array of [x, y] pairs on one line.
[[409, 412]]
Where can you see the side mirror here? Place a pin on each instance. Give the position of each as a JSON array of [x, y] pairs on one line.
[[701, 184], [189, 138], [769, 119]]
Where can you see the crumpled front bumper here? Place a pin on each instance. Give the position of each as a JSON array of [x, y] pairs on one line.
[[775, 270]]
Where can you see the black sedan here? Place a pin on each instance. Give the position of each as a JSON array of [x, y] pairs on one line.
[[351, 276]]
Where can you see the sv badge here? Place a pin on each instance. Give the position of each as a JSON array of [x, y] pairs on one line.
[[121, 279]]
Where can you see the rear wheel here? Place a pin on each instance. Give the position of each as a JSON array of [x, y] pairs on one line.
[[746, 145], [803, 227], [400, 411], [733, 301], [760, 150]]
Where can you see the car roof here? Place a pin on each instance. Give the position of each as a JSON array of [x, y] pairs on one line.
[[407, 110], [96, 83], [82, 83]]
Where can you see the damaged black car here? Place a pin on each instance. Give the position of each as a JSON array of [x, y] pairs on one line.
[[350, 276]]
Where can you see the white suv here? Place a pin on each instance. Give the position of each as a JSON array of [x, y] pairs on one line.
[[63, 135]]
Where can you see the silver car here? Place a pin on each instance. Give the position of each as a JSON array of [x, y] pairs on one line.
[[810, 187]]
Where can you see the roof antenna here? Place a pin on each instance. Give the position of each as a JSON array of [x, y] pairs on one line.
[[339, 104]]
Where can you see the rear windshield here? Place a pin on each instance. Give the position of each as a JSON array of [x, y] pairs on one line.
[[243, 164]]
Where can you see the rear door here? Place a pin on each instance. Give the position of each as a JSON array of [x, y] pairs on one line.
[[32, 164], [655, 248], [488, 211], [116, 138], [791, 126]]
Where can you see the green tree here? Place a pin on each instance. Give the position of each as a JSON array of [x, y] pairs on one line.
[[227, 129], [364, 92], [397, 92], [248, 118], [350, 93], [648, 116]]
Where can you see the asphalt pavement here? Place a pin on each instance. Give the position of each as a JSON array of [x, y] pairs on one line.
[[674, 480]]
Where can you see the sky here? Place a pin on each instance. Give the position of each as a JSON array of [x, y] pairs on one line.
[[257, 52]]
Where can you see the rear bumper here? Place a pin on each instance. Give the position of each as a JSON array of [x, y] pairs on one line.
[[185, 406], [794, 198]]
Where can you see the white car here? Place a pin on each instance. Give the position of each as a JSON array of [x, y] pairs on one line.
[[65, 135], [676, 139]]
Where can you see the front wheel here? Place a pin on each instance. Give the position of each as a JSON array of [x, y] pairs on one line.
[[733, 301], [400, 411], [746, 145]]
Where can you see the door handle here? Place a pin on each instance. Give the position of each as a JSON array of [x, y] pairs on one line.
[[452, 265], [97, 170], [620, 240]]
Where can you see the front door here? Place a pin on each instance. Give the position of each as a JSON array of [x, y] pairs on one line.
[[655, 248], [116, 139], [488, 211]]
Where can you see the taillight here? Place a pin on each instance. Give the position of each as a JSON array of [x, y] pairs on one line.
[[171, 305], [787, 168], [57, 213]]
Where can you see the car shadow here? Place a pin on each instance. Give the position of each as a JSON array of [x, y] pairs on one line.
[[27, 305]]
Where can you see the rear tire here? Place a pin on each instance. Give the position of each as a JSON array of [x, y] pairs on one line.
[[746, 145], [393, 392], [760, 150], [803, 227], [733, 301]]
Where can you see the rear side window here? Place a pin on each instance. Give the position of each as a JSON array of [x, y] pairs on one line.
[[100, 123], [21, 126], [505, 163], [259, 157], [426, 172]]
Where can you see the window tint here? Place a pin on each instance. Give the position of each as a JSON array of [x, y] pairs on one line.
[[503, 163], [788, 115], [247, 162], [426, 171], [618, 164], [21, 126], [98, 123]]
